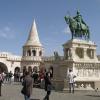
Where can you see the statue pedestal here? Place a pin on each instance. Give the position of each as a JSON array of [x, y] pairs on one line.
[[80, 56]]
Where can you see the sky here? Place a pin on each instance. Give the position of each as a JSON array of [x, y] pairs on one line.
[[17, 16]]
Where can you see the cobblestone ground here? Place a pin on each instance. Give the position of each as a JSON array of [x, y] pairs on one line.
[[12, 92]]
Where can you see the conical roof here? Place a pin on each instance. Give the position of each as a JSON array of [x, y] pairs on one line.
[[33, 39]]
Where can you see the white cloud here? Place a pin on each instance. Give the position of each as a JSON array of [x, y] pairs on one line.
[[66, 30], [4, 35], [7, 33], [7, 28]]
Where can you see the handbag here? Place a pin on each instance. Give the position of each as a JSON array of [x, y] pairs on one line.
[[23, 91]]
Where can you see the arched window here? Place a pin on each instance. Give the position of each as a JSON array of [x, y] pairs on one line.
[[34, 52], [24, 69], [29, 53], [17, 69], [40, 53], [35, 69], [29, 69], [3, 67]]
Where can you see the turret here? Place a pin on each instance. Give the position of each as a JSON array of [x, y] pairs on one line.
[[32, 50]]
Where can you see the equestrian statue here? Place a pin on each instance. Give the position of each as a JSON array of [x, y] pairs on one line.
[[77, 26]]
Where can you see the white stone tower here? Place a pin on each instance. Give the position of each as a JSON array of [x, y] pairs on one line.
[[32, 50]]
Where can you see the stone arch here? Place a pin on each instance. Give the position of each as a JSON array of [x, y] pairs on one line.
[[17, 69], [29, 69], [29, 53], [3, 67], [24, 69], [35, 69], [34, 52]]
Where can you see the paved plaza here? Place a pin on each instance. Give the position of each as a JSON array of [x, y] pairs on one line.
[[12, 92]]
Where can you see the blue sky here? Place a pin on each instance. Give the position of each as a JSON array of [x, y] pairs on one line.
[[16, 17]]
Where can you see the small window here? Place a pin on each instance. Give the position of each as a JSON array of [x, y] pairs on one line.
[[35, 69], [40, 53], [29, 53], [29, 69], [24, 69], [34, 52]]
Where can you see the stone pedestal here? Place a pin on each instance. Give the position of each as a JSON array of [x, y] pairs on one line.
[[80, 56], [85, 63]]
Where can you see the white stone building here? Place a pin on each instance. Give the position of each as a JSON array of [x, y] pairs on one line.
[[31, 58]]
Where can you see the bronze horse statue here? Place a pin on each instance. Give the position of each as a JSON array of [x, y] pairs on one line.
[[75, 30]]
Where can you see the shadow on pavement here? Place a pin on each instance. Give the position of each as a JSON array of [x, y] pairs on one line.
[[93, 95], [34, 99]]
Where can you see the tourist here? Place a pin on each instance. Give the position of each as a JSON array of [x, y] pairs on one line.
[[1, 80], [27, 86], [35, 76], [15, 76], [71, 77], [48, 86], [21, 77], [10, 75], [4, 76]]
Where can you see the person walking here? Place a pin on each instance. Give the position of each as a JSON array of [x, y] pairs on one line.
[[71, 77], [10, 74], [27, 86], [47, 86], [1, 81]]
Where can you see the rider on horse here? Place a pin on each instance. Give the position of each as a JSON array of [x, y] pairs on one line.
[[77, 26], [79, 20]]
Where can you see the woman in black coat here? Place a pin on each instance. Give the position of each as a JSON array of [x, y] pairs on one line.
[[47, 86], [27, 86]]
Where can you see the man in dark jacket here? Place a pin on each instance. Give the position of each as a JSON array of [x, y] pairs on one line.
[[47, 86], [27, 86]]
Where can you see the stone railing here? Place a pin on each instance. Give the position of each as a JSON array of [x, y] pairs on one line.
[[31, 58]]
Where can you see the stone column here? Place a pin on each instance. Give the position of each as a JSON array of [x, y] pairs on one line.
[[95, 56], [85, 53], [72, 52]]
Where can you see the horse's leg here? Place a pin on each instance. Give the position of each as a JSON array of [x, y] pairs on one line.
[[71, 32], [72, 35], [85, 35], [88, 34]]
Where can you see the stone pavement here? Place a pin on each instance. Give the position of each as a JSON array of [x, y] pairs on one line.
[[12, 92]]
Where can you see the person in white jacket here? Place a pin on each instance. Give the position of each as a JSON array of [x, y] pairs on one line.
[[71, 77]]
